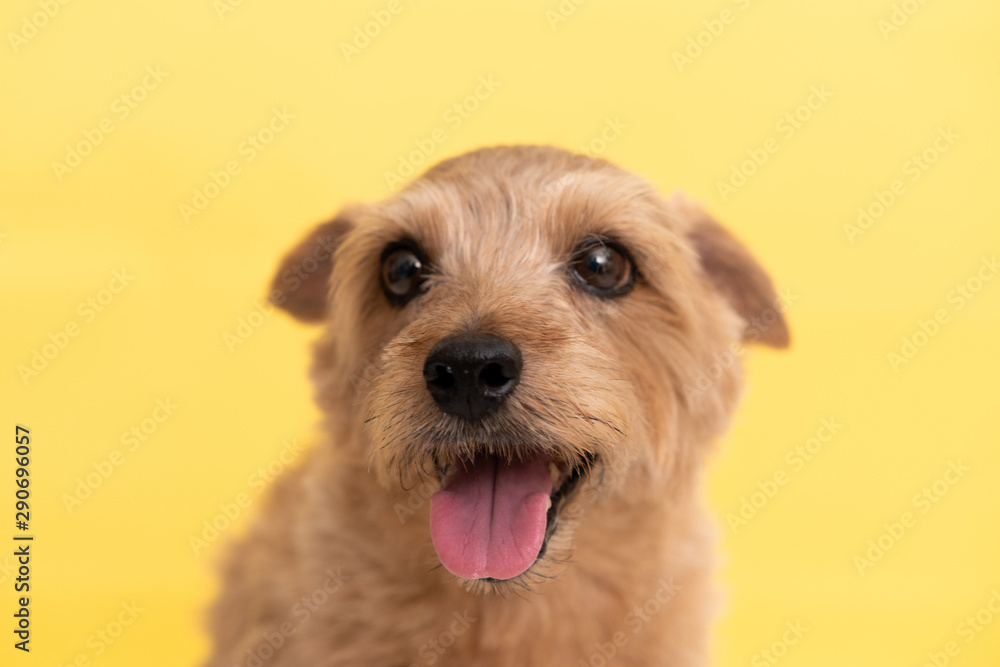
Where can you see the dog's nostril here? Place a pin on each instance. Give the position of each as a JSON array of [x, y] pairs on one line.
[[493, 376], [441, 376]]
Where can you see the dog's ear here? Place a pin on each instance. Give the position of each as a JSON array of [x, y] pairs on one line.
[[738, 277], [302, 283]]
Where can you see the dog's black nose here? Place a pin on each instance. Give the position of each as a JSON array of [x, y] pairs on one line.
[[470, 375]]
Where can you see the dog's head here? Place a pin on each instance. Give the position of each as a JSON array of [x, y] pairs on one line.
[[535, 331]]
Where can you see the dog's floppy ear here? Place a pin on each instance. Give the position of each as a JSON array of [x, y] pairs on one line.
[[738, 277], [302, 283]]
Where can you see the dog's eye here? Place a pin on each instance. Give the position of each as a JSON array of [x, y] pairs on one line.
[[603, 268], [403, 272]]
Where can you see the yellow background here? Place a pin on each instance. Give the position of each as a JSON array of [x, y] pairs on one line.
[[163, 335]]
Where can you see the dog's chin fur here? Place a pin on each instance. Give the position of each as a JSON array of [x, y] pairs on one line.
[[630, 391]]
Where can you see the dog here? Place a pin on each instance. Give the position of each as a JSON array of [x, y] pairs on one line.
[[526, 354]]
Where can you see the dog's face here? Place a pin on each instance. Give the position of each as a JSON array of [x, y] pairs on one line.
[[530, 330]]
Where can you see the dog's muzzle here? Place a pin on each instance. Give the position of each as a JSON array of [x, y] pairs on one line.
[[495, 513]]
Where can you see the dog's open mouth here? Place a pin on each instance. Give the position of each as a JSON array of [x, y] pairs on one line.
[[493, 518]]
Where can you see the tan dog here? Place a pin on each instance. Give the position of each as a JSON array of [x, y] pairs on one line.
[[526, 355]]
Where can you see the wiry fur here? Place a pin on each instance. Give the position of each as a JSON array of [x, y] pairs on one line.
[[613, 379]]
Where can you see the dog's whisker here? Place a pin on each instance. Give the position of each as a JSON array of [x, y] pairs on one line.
[[598, 420]]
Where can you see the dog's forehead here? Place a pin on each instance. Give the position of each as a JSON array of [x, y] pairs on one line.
[[485, 210]]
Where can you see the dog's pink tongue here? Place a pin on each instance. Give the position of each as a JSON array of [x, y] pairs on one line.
[[489, 521]]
